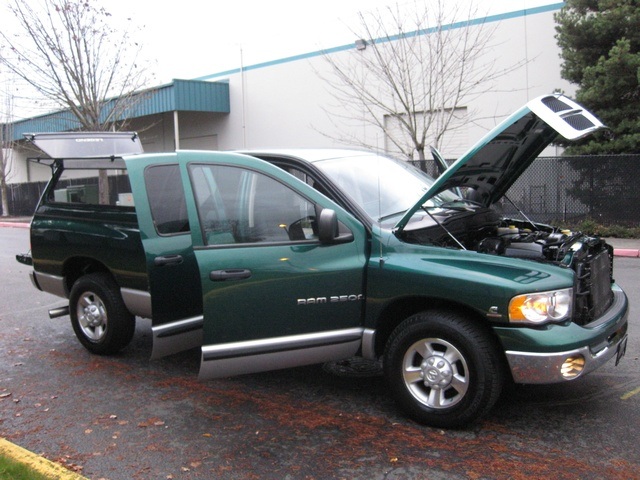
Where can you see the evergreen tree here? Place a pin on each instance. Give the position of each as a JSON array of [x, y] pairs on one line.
[[600, 42]]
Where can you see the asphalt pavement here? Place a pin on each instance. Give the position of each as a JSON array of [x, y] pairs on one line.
[[123, 417]]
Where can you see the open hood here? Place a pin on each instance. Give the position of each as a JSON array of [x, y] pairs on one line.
[[492, 165]]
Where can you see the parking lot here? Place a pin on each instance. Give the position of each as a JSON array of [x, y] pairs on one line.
[[125, 417]]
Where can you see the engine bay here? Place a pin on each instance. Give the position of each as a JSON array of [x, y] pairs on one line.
[[485, 231]]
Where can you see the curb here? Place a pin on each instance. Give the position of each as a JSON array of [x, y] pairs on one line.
[[36, 462], [626, 252], [14, 224]]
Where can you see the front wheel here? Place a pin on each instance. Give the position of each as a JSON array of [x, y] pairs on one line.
[[99, 317], [442, 369]]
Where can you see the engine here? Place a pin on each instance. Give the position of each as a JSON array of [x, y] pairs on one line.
[[542, 245]]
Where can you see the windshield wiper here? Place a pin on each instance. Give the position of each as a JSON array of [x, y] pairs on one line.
[[391, 215]]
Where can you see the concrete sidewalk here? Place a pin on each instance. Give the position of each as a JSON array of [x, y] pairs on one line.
[[622, 247]]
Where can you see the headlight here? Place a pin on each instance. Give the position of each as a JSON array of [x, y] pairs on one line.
[[541, 307]]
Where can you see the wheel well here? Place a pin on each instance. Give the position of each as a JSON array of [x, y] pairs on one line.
[[76, 267], [398, 311]]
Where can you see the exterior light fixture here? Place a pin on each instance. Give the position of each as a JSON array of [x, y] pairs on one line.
[[361, 44]]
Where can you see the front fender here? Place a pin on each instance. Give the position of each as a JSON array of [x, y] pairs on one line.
[[484, 283]]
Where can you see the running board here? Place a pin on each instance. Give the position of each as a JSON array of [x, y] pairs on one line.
[[176, 337], [223, 360]]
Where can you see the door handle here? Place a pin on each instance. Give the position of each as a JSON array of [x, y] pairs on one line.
[[167, 260], [231, 274]]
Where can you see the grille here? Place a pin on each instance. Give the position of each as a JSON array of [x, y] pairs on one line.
[[593, 287]]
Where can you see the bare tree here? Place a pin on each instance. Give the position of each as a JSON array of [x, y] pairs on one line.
[[6, 161], [5, 167], [71, 54], [411, 72]]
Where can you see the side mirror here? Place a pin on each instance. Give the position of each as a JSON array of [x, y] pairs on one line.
[[328, 229]]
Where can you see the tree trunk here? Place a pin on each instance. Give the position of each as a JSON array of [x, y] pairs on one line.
[[103, 188], [422, 162], [3, 184]]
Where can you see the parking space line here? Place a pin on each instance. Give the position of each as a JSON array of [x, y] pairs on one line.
[[630, 394]]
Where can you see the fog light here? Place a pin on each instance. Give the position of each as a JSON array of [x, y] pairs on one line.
[[572, 367]]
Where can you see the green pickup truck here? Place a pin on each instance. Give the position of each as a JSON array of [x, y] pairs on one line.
[[273, 259]]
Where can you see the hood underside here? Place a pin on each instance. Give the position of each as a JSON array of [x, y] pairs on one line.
[[491, 166]]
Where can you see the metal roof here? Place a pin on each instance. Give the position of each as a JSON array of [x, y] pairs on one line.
[[179, 95]]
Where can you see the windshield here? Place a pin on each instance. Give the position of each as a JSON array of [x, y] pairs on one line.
[[383, 187]]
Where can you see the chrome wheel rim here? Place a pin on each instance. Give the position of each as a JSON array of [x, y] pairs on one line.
[[92, 316], [435, 372]]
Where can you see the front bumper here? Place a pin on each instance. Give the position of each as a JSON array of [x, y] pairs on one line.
[[562, 353]]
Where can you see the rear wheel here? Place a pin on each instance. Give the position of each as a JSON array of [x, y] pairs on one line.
[[442, 369], [99, 317]]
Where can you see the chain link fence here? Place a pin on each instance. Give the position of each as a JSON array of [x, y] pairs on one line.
[[605, 189], [23, 198], [571, 189]]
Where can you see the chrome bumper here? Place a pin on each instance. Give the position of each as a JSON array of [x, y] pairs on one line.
[[602, 339], [529, 367]]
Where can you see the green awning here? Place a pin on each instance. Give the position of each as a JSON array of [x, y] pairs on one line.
[[179, 95]]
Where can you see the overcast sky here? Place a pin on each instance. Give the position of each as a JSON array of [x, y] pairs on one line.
[[194, 38]]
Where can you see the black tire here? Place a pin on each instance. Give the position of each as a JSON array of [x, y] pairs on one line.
[[99, 317], [442, 369]]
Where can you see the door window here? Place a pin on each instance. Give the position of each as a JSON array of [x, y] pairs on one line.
[[239, 206], [166, 199]]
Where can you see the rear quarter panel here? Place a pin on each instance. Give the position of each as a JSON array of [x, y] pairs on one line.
[[62, 234]]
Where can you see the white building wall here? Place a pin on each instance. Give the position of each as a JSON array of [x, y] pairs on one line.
[[529, 39], [287, 104], [23, 171], [275, 106]]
